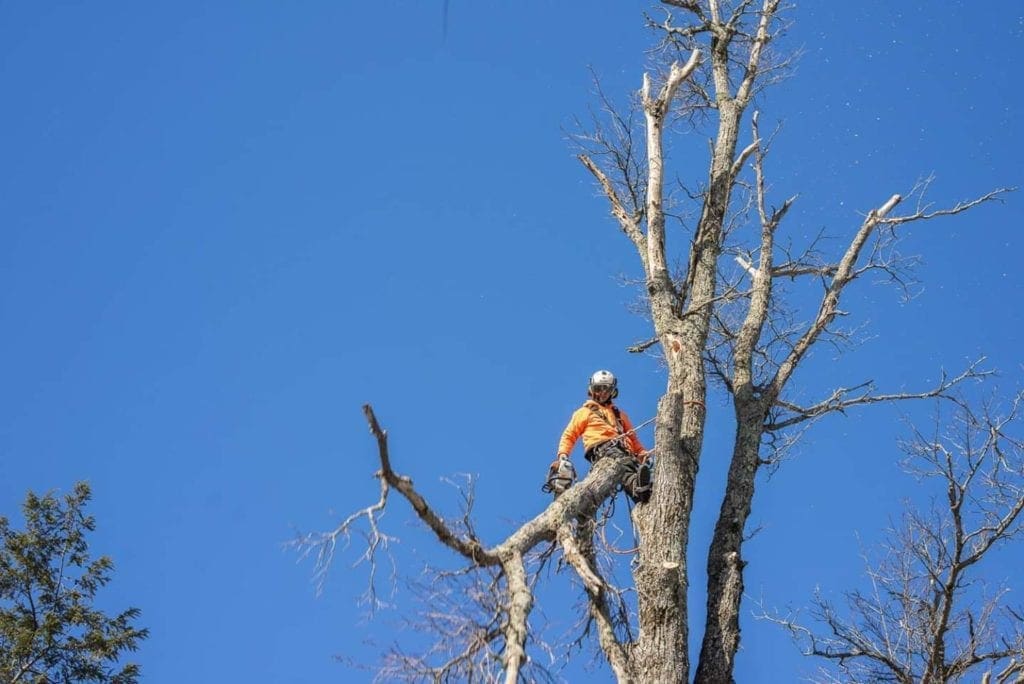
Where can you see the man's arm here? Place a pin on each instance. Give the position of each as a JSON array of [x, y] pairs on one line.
[[577, 424]]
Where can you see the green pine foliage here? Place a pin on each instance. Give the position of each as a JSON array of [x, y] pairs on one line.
[[49, 630]]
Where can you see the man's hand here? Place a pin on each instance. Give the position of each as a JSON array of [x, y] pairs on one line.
[[561, 475]]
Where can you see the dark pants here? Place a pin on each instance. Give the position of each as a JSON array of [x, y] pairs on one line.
[[631, 483]]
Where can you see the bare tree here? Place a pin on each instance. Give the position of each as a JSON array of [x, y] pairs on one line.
[[722, 319], [929, 617]]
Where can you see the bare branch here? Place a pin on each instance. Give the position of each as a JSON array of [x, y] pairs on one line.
[[655, 109], [920, 623], [846, 272], [567, 537], [960, 207], [690, 5], [324, 544], [627, 222], [761, 277], [829, 303], [470, 548], [599, 609], [841, 398], [640, 347], [519, 604], [746, 87], [463, 616], [741, 159]]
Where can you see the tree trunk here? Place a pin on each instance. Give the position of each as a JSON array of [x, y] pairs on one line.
[[725, 564], [660, 576]]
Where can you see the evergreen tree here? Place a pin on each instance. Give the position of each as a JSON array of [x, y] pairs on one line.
[[49, 629]]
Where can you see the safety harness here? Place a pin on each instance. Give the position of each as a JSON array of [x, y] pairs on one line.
[[595, 409], [562, 473]]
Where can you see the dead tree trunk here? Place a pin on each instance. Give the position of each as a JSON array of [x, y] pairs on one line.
[[754, 361]]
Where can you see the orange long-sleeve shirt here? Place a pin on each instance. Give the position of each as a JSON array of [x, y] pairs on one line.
[[596, 424]]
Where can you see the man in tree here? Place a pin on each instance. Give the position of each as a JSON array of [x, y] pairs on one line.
[[738, 329], [49, 630], [607, 433]]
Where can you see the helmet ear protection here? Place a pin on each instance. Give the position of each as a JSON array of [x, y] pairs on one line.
[[603, 378]]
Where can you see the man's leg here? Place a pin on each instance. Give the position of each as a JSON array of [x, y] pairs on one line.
[[637, 481]]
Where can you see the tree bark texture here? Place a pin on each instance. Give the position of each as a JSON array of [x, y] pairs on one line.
[[682, 309]]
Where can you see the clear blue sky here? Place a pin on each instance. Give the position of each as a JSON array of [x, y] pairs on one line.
[[224, 228]]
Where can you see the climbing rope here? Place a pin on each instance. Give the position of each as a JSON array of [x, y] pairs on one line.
[[609, 511], [652, 419]]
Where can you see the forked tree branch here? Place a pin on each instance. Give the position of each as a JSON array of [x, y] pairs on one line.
[[761, 289], [324, 544], [846, 272], [840, 400], [580, 501], [761, 38], [829, 303]]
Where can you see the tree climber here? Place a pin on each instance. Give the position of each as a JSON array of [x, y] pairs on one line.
[[607, 433]]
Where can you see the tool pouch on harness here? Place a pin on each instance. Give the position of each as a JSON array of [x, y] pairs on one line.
[[611, 449]]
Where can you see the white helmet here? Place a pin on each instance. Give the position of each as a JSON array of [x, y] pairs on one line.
[[603, 378]]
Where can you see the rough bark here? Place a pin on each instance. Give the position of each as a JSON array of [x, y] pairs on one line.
[[683, 311]]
